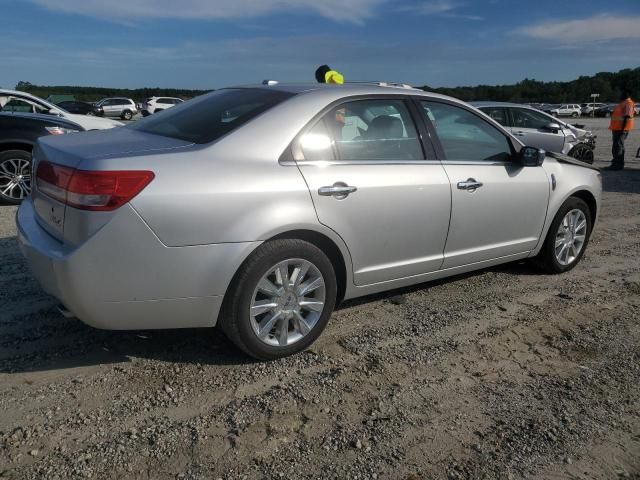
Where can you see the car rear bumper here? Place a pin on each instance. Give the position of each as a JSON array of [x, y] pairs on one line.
[[117, 283]]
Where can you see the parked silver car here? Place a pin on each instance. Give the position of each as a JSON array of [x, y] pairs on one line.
[[123, 108], [258, 209], [538, 129]]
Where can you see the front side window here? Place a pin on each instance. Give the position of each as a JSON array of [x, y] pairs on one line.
[[466, 136], [365, 130], [209, 117], [524, 118]]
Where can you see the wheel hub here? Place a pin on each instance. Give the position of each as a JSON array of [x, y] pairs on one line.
[[14, 182], [287, 303], [571, 237]]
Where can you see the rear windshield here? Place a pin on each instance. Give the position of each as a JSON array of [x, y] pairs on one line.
[[209, 117]]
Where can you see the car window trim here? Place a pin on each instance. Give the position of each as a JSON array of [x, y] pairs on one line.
[[515, 146]]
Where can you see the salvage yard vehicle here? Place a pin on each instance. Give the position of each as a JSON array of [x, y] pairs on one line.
[[18, 135], [588, 108], [538, 129], [123, 108], [14, 101], [81, 108], [566, 110], [157, 104], [299, 197]]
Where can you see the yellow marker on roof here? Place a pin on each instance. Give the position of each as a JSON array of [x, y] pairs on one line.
[[333, 76]]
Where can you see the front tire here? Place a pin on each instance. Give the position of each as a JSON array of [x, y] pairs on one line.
[[567, 238], [280, 300], [582, 152], [15, 176]]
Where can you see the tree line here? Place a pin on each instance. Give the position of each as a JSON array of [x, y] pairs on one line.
[[92, 94], [608, 84]]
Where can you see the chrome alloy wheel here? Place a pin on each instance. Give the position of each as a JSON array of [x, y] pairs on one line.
[[570, 238], [15, 178], [288, 302]]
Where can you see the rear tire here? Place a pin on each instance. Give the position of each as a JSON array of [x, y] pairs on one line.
[[127, 115], [15, 176], [556, 256], [259, 306]]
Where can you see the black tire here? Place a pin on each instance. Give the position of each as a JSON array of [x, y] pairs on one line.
[[127, 115], [582, 152], [546, 259], [8, 160], [235, 319], [575, 115]]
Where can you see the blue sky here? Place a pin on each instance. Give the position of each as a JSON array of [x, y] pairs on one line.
[[214, 43]]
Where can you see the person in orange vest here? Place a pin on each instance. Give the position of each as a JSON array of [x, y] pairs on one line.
[[620, 126], [324, 74]]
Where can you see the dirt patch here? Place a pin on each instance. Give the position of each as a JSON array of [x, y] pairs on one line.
[[500, 374]]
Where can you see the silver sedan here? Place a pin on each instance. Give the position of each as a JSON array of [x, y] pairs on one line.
[[258, 209]]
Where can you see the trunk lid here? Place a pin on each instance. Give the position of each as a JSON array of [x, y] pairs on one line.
[[76, 151]]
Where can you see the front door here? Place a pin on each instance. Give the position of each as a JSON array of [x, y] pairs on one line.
[[532, 129], [372, 184], [498, 206]]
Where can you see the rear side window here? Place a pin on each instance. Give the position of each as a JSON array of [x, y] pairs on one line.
[[364, 130], [209, 117]]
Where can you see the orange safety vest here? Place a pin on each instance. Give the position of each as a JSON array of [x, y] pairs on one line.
[[623, 109]]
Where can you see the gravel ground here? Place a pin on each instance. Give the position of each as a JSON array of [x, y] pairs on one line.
[[501, 374]]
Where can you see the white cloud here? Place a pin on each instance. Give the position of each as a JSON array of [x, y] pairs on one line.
[[593, 29], [123, 10], [435, 6], [445, 8]]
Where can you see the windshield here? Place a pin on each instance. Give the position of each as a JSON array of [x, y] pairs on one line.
[[209, 117]]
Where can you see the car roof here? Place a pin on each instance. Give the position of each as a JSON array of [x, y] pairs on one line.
[[500, 104], [354, 88]]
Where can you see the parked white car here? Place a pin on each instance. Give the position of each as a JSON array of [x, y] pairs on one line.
[[14, 101], [566, 110], [157, 104], [588, 108]]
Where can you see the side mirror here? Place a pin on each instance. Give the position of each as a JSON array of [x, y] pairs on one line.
[[531, 156], [553, 127]]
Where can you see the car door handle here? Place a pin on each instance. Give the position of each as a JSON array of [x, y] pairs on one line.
[[338, 190], [470, 184]]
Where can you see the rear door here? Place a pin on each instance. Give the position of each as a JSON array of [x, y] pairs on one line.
[[372, 184], [532, 129], [498, 206]]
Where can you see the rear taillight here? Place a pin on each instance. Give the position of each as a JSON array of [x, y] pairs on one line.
[[91, 190]]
